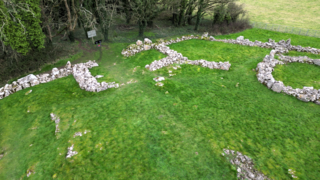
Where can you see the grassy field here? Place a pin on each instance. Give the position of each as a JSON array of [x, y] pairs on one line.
[[295, 13], [140, 132]]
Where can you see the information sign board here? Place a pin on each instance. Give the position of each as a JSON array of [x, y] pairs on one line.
[[92, 33]]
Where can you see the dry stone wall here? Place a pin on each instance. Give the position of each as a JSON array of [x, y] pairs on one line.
[[264, 76], [264, 68], [80, 72]]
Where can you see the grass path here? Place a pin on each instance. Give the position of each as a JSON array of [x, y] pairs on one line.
[[139, 132]]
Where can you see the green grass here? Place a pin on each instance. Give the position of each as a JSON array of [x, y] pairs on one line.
[[144, 133], [295, 13], [290, 74]]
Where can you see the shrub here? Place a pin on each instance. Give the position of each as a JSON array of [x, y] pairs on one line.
[[228, 13]]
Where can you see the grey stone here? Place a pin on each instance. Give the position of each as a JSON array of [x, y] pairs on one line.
[[25, 85], [18, 88], [270, 83], [34, 82], [272, 53], [8, 87], [316, 62], [147, 47], [240, 38], [139, 43], [31, 77], [317, 101], [225, 66], [70, 152], [147, 41], [98, 76], [303, 97], [68, 65], [55, 72], [277, 87]]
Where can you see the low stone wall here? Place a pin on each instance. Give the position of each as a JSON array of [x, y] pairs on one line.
[[244, 165], [80, 72], [86, 81], [89, 83], [264, 68], [264, 76]]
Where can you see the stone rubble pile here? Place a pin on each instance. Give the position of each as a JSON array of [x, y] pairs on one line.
[[70, 152], [244, 166], [86, 81], [56, 119], [29, 172], [77, 134], [80, 134], [264, 75], [159, 84], [138, 47], [292, 173], [157, 79]]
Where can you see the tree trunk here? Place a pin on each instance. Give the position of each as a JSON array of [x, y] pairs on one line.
[[175, 19], [127, 10], [128, 16], [105, 32], [49, 34], [198, 16], [182, 12], [79, 23], [71, 36], [150, 24], [85, 31], [142, 25], [70, 29], [189, 11]]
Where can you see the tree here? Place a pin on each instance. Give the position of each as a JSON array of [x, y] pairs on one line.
[[48, 17], [127, 10], [72, 18], [183, 7], [207, 5], [85, 16], [145, 11], [106, 10], [20, 27], [189, 11]]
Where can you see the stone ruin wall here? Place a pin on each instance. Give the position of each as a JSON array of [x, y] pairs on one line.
[[243, 163], [264, 69]]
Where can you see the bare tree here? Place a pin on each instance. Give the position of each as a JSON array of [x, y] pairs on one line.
[[205, 6], [107, 11], [145, 11]]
